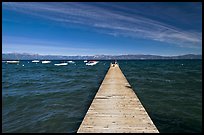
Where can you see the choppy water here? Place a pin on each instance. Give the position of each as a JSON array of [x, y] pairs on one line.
[[47, 98]]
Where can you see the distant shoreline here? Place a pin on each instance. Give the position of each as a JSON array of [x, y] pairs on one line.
[[18, 56], [97, 59]]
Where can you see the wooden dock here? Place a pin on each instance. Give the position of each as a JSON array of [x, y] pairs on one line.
[[116, 108]]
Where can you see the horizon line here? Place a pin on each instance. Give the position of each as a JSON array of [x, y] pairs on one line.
[[100, 54]]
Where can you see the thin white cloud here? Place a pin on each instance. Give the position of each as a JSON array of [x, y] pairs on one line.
[[112, 22]]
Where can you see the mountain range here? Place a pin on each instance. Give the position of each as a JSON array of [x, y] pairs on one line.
[[26, 56]]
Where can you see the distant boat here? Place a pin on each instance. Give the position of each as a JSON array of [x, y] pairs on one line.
[[61, 64], [85, 61], [70, 61], [12, 62], [91, 63], [45, 62], [35, 61]]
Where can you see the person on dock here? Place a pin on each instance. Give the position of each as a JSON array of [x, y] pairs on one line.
[[114, 63]]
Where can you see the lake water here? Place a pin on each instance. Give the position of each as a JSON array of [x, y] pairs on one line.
[[48, 98]]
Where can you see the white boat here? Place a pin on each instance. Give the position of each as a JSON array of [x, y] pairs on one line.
[[35, 61], [85, 61], [45, 62], [12, 62], [61, 64], [91, 63], [70, 61]]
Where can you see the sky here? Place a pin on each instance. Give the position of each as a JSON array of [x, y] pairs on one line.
[[102, 28]]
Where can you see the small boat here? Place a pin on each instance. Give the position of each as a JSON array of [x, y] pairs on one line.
[[91, 63], [35, 61], [45, 62], [61, 64], [12, 62], [70, 61], [85, 61]]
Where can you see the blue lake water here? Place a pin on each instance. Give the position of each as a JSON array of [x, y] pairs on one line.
[[48, 98]]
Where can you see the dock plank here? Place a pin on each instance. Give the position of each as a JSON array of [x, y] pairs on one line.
[[116, 108]]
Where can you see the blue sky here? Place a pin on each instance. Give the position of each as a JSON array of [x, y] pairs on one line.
[[169, 28]]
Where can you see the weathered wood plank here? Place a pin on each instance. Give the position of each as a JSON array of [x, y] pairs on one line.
[[116, 108]]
